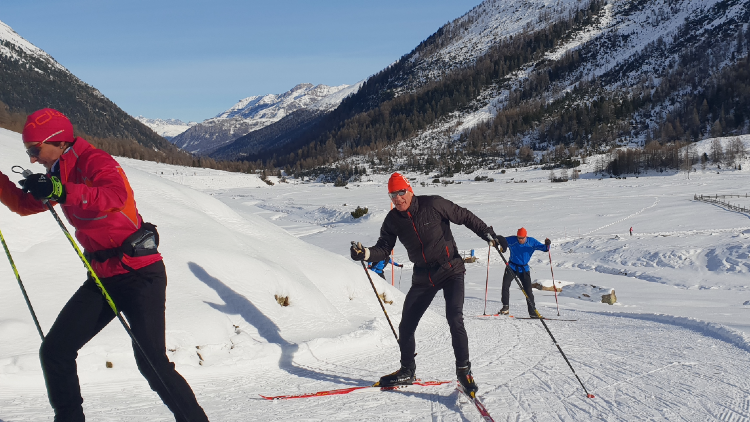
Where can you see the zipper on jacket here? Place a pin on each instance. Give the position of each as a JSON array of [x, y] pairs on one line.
[[420, 242], [448, 254]]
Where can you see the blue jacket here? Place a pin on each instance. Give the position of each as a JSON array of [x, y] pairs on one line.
[[379, 266], [521, 254]]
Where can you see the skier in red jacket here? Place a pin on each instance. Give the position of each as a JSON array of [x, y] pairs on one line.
[[96, 198]]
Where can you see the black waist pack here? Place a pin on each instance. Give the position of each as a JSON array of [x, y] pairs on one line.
[[143, 242]]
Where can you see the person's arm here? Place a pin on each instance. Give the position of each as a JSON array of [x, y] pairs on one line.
[[459, 215], [18, 201], [387, 240], [106, 188], [537, 245]]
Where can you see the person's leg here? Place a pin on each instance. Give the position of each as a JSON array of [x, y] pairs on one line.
[[142, 299], [507, 279], [526, 282], [417, 301], [85, 314], [453, 290]]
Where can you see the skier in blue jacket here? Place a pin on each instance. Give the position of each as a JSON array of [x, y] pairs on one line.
[[379, 267], [521, 248]]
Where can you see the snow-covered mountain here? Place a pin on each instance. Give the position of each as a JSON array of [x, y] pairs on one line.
[[30, 79], [542, 65], [256, 112], [166, 128]]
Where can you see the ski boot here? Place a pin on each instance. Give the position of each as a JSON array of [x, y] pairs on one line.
[[404, 376], [467, 379], [505, 310]]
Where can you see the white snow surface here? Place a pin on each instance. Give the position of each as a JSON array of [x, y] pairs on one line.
[[675, 346], [166, 128]]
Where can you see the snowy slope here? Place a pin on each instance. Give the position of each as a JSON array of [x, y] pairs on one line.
[[166, 128], [674, 347], [256, 112], [7, 34], [630, 44]]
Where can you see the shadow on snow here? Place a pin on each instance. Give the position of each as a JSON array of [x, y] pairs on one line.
[[237, 304]]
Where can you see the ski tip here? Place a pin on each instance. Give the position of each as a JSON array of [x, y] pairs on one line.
[[591, 396]]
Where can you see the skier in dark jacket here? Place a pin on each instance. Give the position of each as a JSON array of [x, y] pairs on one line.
[[521, 248], [91, 189], [422, 224], [379, 267]]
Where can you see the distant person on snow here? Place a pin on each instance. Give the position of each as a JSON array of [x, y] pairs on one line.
[[521, 248], [96, 197], [379, 267], [631, 231], [422, 224]]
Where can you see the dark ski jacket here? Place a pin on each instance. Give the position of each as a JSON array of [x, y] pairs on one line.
[[424, 230]]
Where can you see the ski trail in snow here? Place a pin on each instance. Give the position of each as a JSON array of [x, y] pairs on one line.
[[656, 201]]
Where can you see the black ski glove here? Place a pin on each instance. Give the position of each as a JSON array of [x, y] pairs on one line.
[[42, 186], [359, 252], [495, 240], [547, 242]]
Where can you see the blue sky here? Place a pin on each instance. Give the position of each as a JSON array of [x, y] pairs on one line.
[[193, 59]]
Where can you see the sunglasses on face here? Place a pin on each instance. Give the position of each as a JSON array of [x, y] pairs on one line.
[[401, 192], [34, 151]]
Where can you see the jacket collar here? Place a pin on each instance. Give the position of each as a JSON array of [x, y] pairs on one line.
[[413, 207], [68, 159]]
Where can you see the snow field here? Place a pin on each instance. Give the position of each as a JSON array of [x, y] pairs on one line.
[[674, 347]]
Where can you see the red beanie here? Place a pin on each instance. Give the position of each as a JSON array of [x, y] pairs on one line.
[[47, 125], [521, 232], [398, 182]]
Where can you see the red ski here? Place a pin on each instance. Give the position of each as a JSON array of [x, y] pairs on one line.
[[544, 318], [351, 389], [478, 404]]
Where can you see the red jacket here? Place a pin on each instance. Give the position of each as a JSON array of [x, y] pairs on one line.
[[99, 203]]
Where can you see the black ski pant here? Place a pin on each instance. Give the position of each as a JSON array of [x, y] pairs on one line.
[[417, 301], [141, 297], [525, 278]]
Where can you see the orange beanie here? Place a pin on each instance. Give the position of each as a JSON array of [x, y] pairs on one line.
[[398, 182], [521, 232]]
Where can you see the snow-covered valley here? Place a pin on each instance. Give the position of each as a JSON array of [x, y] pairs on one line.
[[675, 346]]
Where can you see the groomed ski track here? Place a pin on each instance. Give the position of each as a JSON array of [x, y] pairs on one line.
[[667, 376]]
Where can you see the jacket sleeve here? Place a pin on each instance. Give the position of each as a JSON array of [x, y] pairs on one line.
[[459, 215], [387, 240], [537, 245], [105, 189], [17, 200]]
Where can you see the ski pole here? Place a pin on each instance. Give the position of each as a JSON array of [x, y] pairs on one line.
[[487, 282], [528, 300], [107, 297], [20, 284], [367, 273], [553, 280]]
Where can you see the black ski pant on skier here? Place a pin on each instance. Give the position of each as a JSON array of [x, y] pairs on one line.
[[525, 278], [141, 297], [417, 301]]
